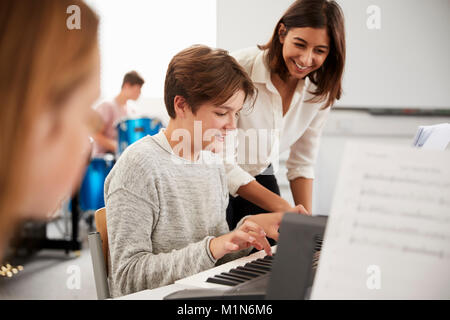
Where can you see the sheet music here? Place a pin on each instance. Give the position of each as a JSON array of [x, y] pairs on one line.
[[388, 233]]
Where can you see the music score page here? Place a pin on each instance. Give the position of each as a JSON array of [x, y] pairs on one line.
[[388, 233]]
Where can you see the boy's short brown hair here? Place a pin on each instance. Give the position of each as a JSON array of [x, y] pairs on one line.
[[201, 74], [133, 78]]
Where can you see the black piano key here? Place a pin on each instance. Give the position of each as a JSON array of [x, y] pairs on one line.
[[269, 263], [262, 263], [268, 267], [269, 258], [222, 281], [239, 276], [318, 242], [229, 278], [250, 268], [244, 272], [316, 258], [258, 265]]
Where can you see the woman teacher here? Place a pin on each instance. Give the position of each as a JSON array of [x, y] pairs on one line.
[[298, 75]]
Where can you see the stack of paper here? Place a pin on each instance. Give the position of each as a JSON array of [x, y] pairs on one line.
[[435, 137]]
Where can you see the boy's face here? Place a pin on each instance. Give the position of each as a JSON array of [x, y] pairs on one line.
[[133, 92], [214, 122]]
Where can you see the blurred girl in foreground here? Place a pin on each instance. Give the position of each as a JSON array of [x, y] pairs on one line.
[[49, 80]]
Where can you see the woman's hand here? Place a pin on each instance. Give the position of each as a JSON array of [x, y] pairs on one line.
[[270, 222], [248, 234], [299, 209]]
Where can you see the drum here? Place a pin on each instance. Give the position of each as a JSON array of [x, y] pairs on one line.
[[91, 191], [130, 130]]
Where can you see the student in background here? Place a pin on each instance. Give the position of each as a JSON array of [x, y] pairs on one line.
[[105, 141], [298, 75], [165, 206], [48, 83]]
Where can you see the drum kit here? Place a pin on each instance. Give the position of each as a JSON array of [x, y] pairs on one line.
[[129, 130]]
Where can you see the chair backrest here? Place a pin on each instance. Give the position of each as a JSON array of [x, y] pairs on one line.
[[100, 224], [98, 244], [98, 264]]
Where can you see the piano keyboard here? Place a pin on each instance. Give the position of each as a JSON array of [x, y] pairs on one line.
[[317, 248], [241, 274], [199, 280], [240, 270], [257, 268]]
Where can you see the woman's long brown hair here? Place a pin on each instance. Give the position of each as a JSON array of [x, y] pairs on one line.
[[314, 14]]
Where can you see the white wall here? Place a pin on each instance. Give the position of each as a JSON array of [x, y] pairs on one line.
[[404, 64], [245, 23], [145, 35]]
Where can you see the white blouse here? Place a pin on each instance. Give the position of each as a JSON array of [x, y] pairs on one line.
[[264, 133]]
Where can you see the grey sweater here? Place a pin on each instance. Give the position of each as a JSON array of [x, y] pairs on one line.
[[161, 212]]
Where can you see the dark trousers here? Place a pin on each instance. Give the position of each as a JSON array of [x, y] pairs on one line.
[[239, 207]]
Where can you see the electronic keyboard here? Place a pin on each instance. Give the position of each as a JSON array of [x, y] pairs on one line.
[[231, 273], [288, 274]]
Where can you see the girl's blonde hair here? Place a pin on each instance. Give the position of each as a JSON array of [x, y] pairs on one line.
[[42, 62]]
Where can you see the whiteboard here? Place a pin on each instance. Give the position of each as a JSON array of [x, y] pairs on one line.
[[403, 64]]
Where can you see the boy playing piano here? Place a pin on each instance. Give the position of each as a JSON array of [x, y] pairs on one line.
[[165, 207]]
